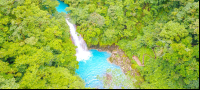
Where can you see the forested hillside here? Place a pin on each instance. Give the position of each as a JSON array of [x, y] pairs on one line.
[[164, 34], [35, 48]]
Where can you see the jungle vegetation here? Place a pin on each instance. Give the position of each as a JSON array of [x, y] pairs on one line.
[[35, 47], [162, 33], [36, 50]]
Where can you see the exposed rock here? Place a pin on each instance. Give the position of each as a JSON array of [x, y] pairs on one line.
[[114, 52], [108, 77], [118, 57], [99, 50]]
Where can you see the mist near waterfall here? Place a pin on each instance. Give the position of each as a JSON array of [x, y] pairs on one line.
[[82, 52]]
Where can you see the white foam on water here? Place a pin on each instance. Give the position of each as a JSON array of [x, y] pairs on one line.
[[82, 52]]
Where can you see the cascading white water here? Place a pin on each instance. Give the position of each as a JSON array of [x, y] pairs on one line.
[[82, 52]]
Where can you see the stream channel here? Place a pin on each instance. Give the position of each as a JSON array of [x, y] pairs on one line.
[[95, 65]]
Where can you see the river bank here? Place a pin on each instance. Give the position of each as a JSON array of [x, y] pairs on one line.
[[118, 57]]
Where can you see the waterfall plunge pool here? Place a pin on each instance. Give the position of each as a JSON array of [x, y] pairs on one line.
[[97, 64]]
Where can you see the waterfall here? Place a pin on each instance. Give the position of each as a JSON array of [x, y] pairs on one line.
[[82, 52]]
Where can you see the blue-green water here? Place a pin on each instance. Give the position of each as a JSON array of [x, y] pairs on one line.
[[95, 65], [61, 7]]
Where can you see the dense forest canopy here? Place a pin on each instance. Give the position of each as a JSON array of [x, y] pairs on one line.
[[164, 34], [35, 47], [36, 50]]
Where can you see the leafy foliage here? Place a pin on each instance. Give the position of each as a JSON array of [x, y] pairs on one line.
[[162, 33], [36, 50], [35, 47]]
